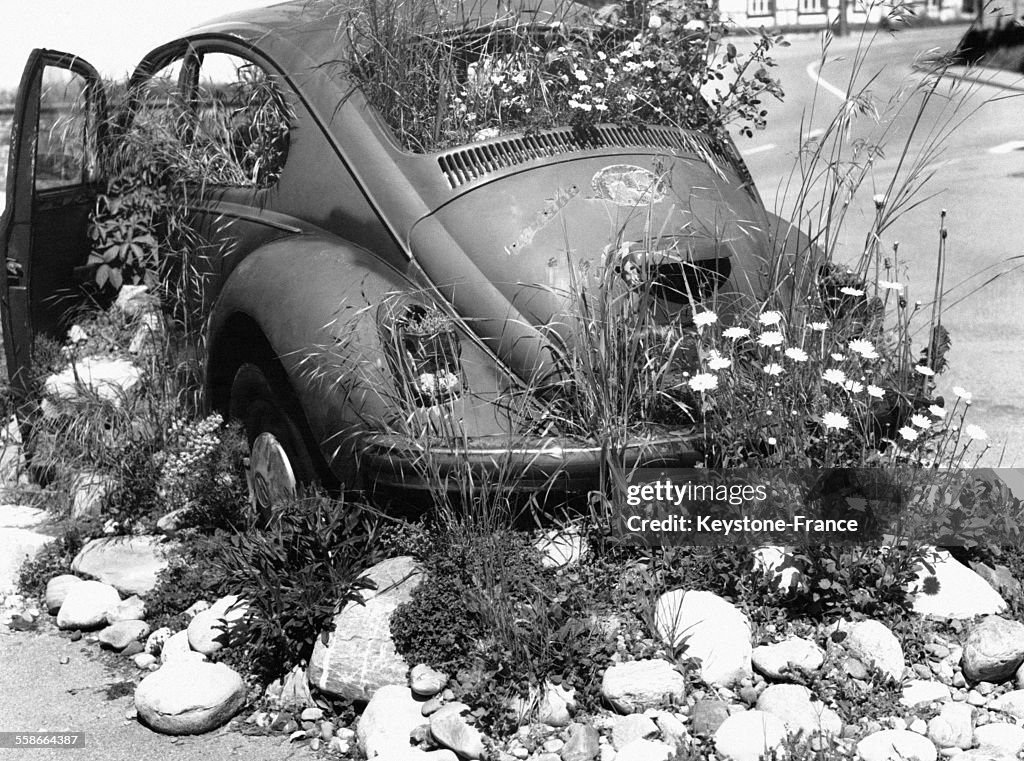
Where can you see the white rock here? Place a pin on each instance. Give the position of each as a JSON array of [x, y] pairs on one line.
[[960, 592], [1011, 703], [360, 655], [804, 718], [57, 590], [388, 720], [177, 648], [712, 630], [627, 729], [450, 729], [560, 548], [635, 685], [134, 300], [774, 660], [874, 644], [132, 609], [896, 745], [749, 735], [425, 681], [144, 660], [953, 727], [131, 564], [645, 750], [120, 634], [211, 629], [1008, 738], [923, 691], [781, 565], [155, 641], [109, 379], [556, 706], [85, 605], [993, 650], [187, 697]]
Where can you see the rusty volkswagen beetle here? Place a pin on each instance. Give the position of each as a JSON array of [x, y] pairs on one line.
[[362, 289]]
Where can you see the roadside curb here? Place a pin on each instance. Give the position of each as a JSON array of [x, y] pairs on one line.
[[1004, 80]]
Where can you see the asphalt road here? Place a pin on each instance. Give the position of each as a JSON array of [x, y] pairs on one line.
[[979, 180]]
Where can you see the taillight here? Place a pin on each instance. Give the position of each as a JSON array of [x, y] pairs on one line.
[[424, 353]]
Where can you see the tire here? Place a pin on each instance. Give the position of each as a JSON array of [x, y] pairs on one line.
[[268, 411]]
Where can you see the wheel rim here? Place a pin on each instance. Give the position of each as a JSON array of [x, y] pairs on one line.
[[272, 480]]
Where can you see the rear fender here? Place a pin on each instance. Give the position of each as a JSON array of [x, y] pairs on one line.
[[312, 303]]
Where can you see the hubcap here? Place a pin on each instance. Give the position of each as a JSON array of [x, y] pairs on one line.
[[271, 479]]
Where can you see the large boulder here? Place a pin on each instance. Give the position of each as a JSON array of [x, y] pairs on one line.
[[710, 629], [993, 650], [948, 589], [189, 697], [360, 656], [636, 685], [749, 735], [388, 720], [129, 563], [85, 605], [21, 538]]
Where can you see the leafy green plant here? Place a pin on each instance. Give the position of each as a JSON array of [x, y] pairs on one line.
[[193, 573], [296, 574], [638, 63], [53, 559]]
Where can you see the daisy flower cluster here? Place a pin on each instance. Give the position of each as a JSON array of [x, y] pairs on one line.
[[190, 448]]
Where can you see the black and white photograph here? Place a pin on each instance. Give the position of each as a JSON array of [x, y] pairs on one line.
[[512, 380]]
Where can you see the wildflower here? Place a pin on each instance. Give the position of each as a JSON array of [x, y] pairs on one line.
[[865, 348], [834, 420], [772, 441], [704, 382], [908, 433], [770, 318], [921, 421], [707, 317], [924, 370], [937, 411], [851, 291], [963, 393], [832, 375], [797, 355], [890, 285], [580, 75], [879, 199], [654, 22], [819, 326], [773, 368], [771, 338], [717, 362], [853, 386], [837, 357], [77, 334], [736, 332], [976, 432], [876, 391]]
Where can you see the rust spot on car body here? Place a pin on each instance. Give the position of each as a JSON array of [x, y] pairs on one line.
[[542, 218], [627, 185]]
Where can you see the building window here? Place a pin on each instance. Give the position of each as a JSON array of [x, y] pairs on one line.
[[811, 6], [760, 7]]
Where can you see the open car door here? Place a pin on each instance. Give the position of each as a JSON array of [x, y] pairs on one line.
[[52, 182]]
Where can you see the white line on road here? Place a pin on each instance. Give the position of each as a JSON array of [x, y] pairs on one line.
[[758, 149], [1009, 147], [812, 72]]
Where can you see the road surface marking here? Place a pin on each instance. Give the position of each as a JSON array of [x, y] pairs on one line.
[[758, 149], [1009, 147], [812, 72]]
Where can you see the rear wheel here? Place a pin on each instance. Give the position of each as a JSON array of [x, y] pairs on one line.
[[280, 462]]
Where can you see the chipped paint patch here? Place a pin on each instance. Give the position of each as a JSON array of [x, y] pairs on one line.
[[627, 185], [542, 218]]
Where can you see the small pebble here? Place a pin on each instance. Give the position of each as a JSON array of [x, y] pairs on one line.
[[553, 745], [975, 698], [985, 688], [327, 730], [314, 744], [920, 726], [131, 714], [64, 660]]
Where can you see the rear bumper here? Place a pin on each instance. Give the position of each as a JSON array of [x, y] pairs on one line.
[[523, 466]]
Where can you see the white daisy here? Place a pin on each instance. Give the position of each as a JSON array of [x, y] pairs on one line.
[[876, 391], [865, 348], [770, 318], [797, 355], [908, 433], [819, 326], [851, 291], [833, 375], [834, 420], [771, 338], [920, 421], [937, 411], [707, 317], [924, 370], [704, 382], [773, 368], [736, 332]]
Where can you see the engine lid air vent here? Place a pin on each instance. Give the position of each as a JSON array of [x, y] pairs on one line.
[[469, 163]]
